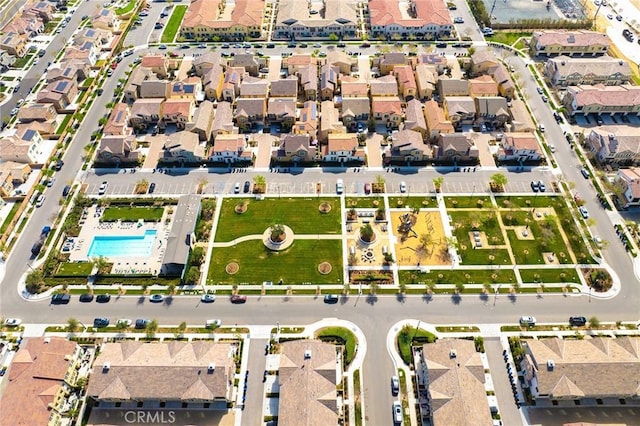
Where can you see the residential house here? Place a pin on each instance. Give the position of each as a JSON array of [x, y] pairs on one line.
[[284, 88], [414, 117], [308, 79], [428, 20], [386, 85], [183, 148], [118, 150], [146, 113], [247, 61], [600, 99], [202, 121], [492, 110], [329, 81], [426, 79], [250, 112], [506, 86], [154, 88], [6, 60], [60, 93], [407, 85], [296, 149], [407, 146], [436, 121], [482, 61], [93, 40], [158, 64], [87, 54], [307, 122], [628, 180], [134, 83], [329, 121], [29, 26], [253, 87], [40, 379], [570, 372], [317, 20], [105, 19], [387, 110], [483, 86], [296, 61], [352, 88], [343, 148], [565, 71], [436, 61], [21, 147], [12, 174], [282, 111], [15, 44], [196, 375], [118, 122], [223, 120], [618, 145], [340, 59], [203, 63], [178, 111], [189, 88], [521, 120], [70, 69], [37, 112], [230, 149], [452, 373], [388, 61], [354, 110], [460, 110], [521, 147], [42, 9], [210, 19], [456, 148], [569, 43], [448, 86], [213, 82]]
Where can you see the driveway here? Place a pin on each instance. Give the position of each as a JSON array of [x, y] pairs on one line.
[[484, 150], [374, 150], [252, 412], [263, 151], [509, 413]]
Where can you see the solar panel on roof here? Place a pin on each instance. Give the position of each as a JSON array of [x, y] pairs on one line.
[[119, 116], [188, 88], [90, 33], [28, 135], [61, 86]]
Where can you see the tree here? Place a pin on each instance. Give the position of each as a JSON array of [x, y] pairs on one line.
[[594, 322], [333, 37], [259, 184], [151, 328], [197, 256], [437, 183], [192, 275], [366, 233], [499, 180], [181, 329], [72, 325], [101, 264], [122, 325], [202, 184], [278, 233], [34, 281]]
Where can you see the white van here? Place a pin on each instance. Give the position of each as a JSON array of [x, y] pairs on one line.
[[40, 200], [213, 323]]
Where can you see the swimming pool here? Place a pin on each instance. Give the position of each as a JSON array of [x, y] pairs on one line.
[[123, 245]]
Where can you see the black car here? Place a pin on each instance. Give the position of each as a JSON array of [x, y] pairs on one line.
[[330, 298], [100, 92], [100, 322], [58, 165], [142, 323], [103, 298], [66, 190], [152, 187], [341, 45], [578, 321], [247, 187], [86, 297], [60, 299], [441, 45]]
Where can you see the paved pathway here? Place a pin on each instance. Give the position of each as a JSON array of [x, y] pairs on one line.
[[252, 411], [509, 413]]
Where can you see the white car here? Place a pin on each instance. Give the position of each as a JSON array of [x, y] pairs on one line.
[[403, 187], [124, 322], [529, 321], [103, 188], [40, 200], [12, 322], [458, 20], [339, 186], [542, 128], [584, 212]]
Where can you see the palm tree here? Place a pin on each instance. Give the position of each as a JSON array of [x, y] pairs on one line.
[[499, 180], [72, 325], [437, 183], [152, 328], [181, 329], [101, 264], [259, 184], [277, 233], [380, 183], [366, 233]]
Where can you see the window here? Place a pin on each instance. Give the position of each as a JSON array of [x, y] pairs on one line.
[[140, 404]]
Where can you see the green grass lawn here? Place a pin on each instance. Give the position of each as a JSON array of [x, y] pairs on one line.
[[127, 8], [549, 275], [409, 336], [476, 276], [174, 23], [347, 338], [508, 37], [411, 202], [63, 124], [78, 269], [364, 202], [300, 214], [10, 217], [295, 265], [528, 201], [483, 220], [467, 202], [132, 214]]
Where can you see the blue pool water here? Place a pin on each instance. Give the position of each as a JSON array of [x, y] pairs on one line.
[[123, 245]]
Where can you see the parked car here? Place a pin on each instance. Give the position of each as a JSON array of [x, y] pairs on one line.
[[331, 298], [100, 322], [541, 186], [367, 188], [397, 412], [539, 89], [441, 45], [236, 188], [213, 323], [208, 298], [141, 323], [86, 298], [66, 190], [156, 298], [103, 298], [534, 186], [124, 322], [237, 298], [12, 322], [584, 212], [152, 187], [578, 321], [60, 299], [395, 385], [545, 99], [528, 321], [247, 187], [40, 200], [103, 188], [403, 187], [458, 20], [339, 186], [585, 173]]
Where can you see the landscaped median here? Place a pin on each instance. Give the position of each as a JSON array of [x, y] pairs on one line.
[[174, 23]]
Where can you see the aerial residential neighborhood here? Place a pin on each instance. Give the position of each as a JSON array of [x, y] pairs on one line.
[[330, 212]]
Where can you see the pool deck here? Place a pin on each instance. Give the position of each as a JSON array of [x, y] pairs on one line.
[[126, 265]]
